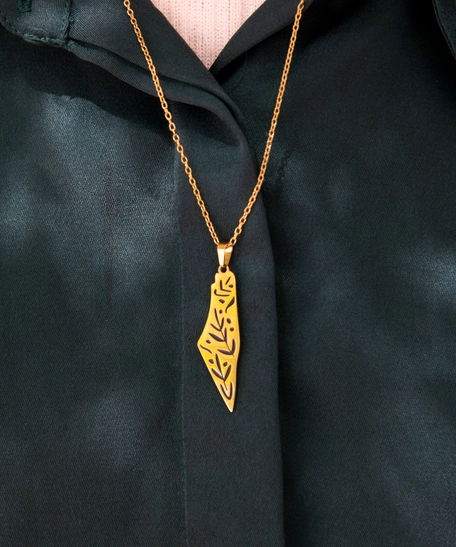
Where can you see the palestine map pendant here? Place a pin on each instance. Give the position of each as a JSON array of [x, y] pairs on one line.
[[219, 343]]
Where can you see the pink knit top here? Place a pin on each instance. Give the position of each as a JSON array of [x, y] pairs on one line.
[[207, 25]]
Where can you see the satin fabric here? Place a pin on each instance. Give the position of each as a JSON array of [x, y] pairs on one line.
[[344, 428]]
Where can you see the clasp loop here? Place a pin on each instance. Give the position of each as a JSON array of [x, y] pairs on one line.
[[224, 251]]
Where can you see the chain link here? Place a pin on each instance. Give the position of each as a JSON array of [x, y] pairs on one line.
[[177, 140]]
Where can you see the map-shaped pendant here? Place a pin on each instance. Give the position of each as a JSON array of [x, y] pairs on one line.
[[219, 343]]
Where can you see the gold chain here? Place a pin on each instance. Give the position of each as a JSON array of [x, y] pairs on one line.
[[176, 137]]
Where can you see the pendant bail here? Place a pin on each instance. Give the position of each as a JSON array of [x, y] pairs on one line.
[[224, 251]]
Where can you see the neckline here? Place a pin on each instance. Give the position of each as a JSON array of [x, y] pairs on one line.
[[207, 25]]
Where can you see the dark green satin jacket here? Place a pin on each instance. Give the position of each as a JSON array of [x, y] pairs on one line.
[[112, 432]]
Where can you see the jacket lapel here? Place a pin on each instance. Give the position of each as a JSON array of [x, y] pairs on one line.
[[446, 16], [271, 17]]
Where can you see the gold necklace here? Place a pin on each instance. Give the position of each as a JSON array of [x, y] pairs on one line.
[[219, 343]]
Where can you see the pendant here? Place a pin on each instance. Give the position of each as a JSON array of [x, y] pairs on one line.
[[219, 343]]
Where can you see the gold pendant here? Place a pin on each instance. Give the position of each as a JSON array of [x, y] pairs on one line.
[[219, 343]]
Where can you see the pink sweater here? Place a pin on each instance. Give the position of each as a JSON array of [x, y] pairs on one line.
[[207, 25]]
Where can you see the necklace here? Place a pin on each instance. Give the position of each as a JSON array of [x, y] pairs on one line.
[[219, 343]]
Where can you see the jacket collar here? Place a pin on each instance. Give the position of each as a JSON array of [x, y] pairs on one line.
[[40, 21], [100, 32], [104, 24]]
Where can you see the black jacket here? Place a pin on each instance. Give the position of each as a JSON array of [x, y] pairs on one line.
[[111, 430]]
